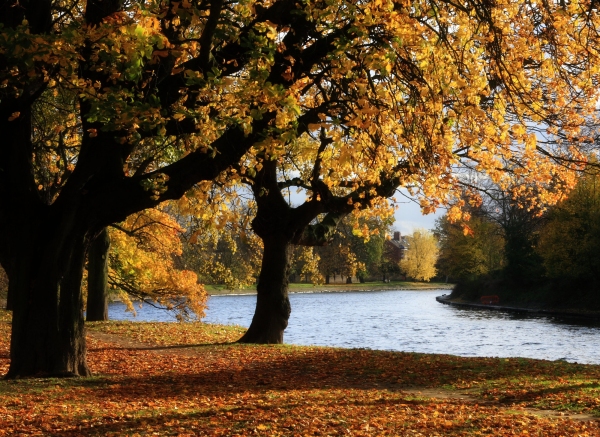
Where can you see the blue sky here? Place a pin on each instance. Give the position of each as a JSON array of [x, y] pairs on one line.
[[409, 217]]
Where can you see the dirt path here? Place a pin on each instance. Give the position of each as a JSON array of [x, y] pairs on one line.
[[424, 392]]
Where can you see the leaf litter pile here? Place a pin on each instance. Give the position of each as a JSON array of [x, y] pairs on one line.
[[176, 379]]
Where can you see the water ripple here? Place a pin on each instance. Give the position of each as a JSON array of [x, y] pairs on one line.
[[410, 321]]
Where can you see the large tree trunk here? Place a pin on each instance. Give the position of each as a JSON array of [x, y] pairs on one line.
[[97, 299], [45, 275], [272, 303]]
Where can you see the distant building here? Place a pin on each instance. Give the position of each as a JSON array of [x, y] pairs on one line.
[[395, 248]]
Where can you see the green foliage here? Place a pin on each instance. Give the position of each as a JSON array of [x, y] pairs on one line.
[[220, 246], [465, 256], [549, 260], [570, 238], [350, 253]]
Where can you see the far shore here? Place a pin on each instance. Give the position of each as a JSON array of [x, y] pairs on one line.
[[339, 287]]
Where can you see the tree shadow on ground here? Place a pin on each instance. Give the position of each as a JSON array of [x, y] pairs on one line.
[[231, 368], [533, 394]]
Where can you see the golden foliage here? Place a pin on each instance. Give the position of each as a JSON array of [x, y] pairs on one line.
[[307, 259], [420, 258], [469, 256], [407, 91], [142, 264]]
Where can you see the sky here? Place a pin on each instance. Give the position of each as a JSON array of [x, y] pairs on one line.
[[409, 217]]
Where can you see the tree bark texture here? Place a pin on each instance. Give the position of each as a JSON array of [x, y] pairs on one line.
[[272, 303], [45, 275], [97, 298]]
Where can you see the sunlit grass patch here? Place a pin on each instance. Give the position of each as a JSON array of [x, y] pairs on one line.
[[165, 333]]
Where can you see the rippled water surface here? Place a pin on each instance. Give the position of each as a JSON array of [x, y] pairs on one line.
[[408, 321]]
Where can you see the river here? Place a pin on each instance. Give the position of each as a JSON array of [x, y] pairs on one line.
[[410, 321]]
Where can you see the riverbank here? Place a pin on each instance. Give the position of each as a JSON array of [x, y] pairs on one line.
[[176, 379], [536, 310], [339, 287]]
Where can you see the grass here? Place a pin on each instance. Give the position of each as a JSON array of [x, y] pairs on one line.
[[188, 379]]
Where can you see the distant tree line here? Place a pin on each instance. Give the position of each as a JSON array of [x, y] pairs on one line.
[[536, 256]]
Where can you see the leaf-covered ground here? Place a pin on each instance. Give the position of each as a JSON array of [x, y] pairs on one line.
[[173, 379]]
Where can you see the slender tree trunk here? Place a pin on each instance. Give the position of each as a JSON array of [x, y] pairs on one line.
[[97, 299], [9, 299], [272, 303], [327, 279]]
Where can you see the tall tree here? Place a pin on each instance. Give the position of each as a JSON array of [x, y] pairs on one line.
[[305, 264], [414, 93], [421, 256], [338, 258], [570, 235], [466, 256], [163, 95], [219, 244], [520, 223]]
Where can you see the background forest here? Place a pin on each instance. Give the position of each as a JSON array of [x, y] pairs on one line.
[[544, 257]]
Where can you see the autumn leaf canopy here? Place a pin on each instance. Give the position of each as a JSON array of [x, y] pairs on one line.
[[151, 97]]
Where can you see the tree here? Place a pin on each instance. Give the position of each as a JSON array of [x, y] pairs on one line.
[[570, 235], [520, 223], [367, 239], [305, 262], [142, 265], [391, 117], [466, 256], [421, 256], [158, 97], [337, 258], [161, 96], [220, 245]]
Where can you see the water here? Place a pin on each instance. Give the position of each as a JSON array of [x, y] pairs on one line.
[[409, 321]]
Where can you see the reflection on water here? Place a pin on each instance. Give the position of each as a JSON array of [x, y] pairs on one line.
[[409, 321]]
